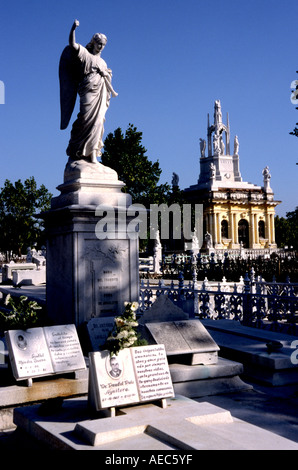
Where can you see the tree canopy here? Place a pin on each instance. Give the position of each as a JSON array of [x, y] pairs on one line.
[[127, 156], [19, 203], [286, 230]]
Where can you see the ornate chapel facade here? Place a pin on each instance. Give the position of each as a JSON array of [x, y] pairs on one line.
[[236, 213]]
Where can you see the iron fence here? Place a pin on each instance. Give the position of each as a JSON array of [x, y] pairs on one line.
[[278, 265], [250, 301]]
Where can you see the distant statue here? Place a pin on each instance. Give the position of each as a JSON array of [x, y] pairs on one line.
[[236, 145], [208, 240], [195, 242], [175, 180], [83, 71], [29, 255], [202, 147], [216, 144], [217, 113], [212, 168], [267, 176], [222, 146], [266, 173], [157, 254]]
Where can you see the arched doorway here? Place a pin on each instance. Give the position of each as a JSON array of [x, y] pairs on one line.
[[261, 229], [243, 233], [224, 229]]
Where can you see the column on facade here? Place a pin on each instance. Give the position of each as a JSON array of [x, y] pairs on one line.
[[251, 229], [212, 230], [207, 222], [235, 227], [256, 225], [272, 228], [231, 227], [218, 228], [267, 228]]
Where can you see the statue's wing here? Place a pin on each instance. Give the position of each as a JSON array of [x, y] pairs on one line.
[[69, 78]]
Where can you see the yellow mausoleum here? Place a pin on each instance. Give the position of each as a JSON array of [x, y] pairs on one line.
[[236, 213]]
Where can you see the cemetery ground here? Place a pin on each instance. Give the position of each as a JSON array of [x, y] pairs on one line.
[[272, 408]]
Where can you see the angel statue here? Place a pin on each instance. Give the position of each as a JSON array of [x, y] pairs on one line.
[[82, 71]]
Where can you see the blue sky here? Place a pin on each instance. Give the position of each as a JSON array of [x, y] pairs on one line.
[[170, 59]]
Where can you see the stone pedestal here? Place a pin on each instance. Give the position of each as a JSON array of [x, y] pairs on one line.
[[92, 259]]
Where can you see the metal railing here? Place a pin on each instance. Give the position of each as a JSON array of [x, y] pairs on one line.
[[251, 302]]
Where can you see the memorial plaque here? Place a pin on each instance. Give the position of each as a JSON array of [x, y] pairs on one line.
[[182, 336], [196, 336], [152, 372], [98, 331], [185, 337], [108, 291], [28, 353], [135, 375], [38, 352], [167, 333], [113, 383], [64, 347], [106, 288]]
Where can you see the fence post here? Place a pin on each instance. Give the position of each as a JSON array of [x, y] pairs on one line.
[[247, 307]]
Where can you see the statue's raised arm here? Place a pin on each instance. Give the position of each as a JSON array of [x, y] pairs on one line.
[[82, 71], [72, 38]]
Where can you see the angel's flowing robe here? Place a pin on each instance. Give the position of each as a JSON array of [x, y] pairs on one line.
[[94, 92]]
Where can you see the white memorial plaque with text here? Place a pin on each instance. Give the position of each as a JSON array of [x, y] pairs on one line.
[[36, 352], [31, 356], [113, 379], [152, 372], [135, 375], [65, 348]]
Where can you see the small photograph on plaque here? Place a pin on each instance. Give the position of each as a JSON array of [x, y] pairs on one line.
[[36, 352], [114, 367]]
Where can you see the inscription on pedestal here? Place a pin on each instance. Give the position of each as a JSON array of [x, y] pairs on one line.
[[108, 292], [107, 267]]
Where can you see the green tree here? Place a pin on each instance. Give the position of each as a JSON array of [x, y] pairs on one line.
[[19, 202], [286, 229], [127, 156]]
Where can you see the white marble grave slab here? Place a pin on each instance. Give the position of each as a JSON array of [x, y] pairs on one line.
[[28, 353], [135, 375], [65, 348], [181, 337], [112, 380], [152, 372], [38, 352]]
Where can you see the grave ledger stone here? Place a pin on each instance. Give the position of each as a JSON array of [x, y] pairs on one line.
[[183, 339]]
